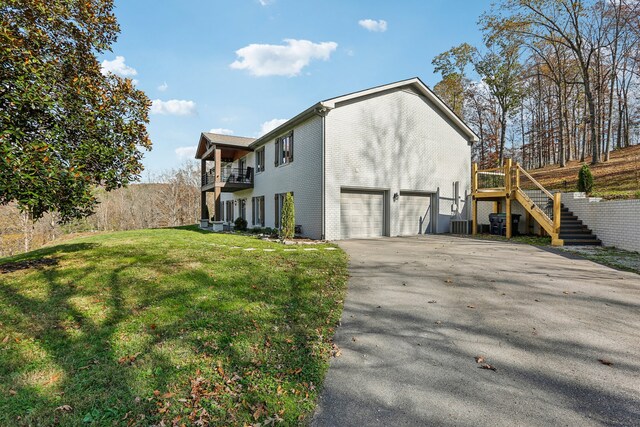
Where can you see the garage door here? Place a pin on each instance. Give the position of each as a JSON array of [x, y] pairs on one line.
[[415, 213], [361, 214]]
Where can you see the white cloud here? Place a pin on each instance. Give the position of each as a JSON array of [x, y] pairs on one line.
[[281, 60], [373, 25], [265, 2], [173, 107], [221, 131], [164, 86], [118, 67], [186, 152], [270, 125]]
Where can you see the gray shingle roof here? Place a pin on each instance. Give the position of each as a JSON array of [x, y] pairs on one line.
[[217, 138]]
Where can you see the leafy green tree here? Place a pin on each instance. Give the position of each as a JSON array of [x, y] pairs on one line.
[[501, 71], [288, 218], [452, 65], [585, 179], [65, 127]]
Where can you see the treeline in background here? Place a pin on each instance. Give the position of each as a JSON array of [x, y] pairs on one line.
[[168, 199], [556, 80]]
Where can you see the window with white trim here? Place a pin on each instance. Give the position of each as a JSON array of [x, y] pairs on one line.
[[257, 209], [284, 149], [260, 160]]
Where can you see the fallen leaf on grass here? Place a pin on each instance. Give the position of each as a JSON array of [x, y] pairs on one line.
[[64, 408], [128, 359], [487, 366], [605, 362], [12, 392], [4, 341], [53, 379]]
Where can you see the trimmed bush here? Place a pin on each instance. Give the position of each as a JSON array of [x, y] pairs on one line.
[[288, 218], [240, 224], [585, 179]]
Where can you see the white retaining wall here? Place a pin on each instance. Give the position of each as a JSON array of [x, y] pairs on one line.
[[615, 222]]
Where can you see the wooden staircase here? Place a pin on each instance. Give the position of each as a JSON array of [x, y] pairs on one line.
[[512, 182], [574, 232]]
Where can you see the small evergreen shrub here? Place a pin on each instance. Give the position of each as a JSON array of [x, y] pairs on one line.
[[585, 179], [240, 224], [256, 230], [288, 218]]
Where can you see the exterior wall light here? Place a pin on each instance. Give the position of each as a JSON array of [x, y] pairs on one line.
[[396, 196]]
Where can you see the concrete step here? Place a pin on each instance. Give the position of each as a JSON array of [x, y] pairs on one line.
[[577, 236], [580, 242], [574, 228]]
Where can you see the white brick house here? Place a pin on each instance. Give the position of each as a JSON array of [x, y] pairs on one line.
[[386, 161]]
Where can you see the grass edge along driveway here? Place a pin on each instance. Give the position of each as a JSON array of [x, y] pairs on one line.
[[168, 325]]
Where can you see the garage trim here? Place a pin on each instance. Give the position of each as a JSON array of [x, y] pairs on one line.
[[386, 203], [432, 195]]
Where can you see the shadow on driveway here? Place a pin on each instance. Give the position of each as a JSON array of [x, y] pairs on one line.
[[420, 309]]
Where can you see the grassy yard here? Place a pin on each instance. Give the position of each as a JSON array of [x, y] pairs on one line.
[[167, 325]]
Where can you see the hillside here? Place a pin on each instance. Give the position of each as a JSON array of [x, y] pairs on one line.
[[166, 327], [617, 178]]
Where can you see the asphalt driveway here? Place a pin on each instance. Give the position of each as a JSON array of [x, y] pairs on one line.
[[419, 310]]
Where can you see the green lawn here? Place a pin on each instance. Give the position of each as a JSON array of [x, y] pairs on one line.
[[173, 325]]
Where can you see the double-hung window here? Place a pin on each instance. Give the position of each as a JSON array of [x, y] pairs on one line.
[[229, 213], [260, 160], [284, 149], [242, 207], [257, 211]]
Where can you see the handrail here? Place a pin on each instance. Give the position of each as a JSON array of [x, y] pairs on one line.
[[491, 170], [540, 187]]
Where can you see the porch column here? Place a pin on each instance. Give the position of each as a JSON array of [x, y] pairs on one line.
[[217, 206]]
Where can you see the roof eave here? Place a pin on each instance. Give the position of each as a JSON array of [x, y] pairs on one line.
[[286, 125]]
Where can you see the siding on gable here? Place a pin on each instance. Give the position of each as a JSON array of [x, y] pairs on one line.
[[303, 176], [396, 141]]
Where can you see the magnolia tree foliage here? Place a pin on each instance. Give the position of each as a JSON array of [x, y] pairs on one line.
[[65, 128]]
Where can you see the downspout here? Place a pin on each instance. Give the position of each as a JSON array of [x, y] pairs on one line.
[[322, 202], [322, 112]]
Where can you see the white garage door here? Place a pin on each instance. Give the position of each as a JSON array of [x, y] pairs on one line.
[[361, 214], [415, 214]]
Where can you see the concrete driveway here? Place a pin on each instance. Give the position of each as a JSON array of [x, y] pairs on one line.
[[420, 309]]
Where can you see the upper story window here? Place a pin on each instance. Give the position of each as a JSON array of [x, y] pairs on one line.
[[260, 160], [284, 149]]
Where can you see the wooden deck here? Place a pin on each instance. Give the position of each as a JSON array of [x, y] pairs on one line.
[[503, 185]]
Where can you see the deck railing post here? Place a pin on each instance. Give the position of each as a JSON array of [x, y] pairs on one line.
[[517, 176], [474, 178], [507, 175], [557, 209]]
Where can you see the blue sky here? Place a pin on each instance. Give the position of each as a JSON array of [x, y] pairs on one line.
[[243, 65]]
